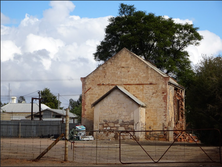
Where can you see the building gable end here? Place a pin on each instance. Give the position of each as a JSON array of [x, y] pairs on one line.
[[123, 90]]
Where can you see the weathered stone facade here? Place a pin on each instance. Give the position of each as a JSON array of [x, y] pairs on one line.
[[162, 95], [118, 110]]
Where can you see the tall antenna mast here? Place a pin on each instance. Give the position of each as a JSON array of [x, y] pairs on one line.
[[58, 100], [9, 93]]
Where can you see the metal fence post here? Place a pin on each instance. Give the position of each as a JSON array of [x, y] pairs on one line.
[[66, 135], [20, 129], [96, 146]]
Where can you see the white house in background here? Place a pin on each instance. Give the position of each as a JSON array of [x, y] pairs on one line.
[[55, 115], [18, 111], [5, 116]]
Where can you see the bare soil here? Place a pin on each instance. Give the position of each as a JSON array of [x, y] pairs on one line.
[[22, 152]]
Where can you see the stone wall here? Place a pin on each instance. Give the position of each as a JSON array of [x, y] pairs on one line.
[[127, 70], [179, 109], [116, 112], [157, 136]]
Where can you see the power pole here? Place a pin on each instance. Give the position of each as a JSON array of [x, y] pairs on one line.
[[40, 109], [67, 135], [9, 93], [58, 100]]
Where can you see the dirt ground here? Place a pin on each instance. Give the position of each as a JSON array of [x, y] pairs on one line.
[[44, 162], [22, 152]]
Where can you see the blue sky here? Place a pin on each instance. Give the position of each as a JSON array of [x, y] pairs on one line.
[[207, 15], [50, 44]]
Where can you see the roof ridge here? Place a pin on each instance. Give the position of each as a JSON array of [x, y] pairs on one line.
[[153, 66], [147, 62], [123, 90]]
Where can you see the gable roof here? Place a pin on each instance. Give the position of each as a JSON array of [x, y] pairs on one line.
[[149, 64], [141, 59], [22, 107], [123, 90], [171, 80], [58, 111], [62, 112]]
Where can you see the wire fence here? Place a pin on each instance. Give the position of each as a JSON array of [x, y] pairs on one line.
[[124, 148], [30, 148], [185, 147]]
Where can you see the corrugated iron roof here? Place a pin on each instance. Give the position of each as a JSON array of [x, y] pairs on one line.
[[63, 112], [122, 89], [23, 107], [58, 111]]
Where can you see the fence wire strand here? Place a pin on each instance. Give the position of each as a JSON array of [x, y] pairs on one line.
[[32, 139]]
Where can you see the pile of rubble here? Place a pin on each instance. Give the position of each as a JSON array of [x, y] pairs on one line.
[[185, 137]]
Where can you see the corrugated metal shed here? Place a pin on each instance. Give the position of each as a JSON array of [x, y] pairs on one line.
[[22, 107], [122, 89]]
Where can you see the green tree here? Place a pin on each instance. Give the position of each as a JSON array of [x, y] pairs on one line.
[[49, 99], [21, 99], [76, 107], [204, 98], [2, 104], [154, 38]]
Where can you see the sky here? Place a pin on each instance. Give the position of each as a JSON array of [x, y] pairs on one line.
[[50, 44]]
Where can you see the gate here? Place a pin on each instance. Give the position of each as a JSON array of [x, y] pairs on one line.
[[184, 147]]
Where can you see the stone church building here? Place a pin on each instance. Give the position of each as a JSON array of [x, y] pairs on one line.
[[129, 93]]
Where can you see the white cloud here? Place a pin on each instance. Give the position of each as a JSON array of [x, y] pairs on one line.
[[4, 19], [61, 46], [177, 20], [28, 20], [8, 49], [58, 46], [210, 45], [4, 30], [60, 10], [35, 43], [58, 14], [180, 21]]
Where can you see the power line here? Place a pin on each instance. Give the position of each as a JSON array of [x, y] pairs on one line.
[[39, 80], [31, 93], [65, 99], [44, 95], [71, 95]]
